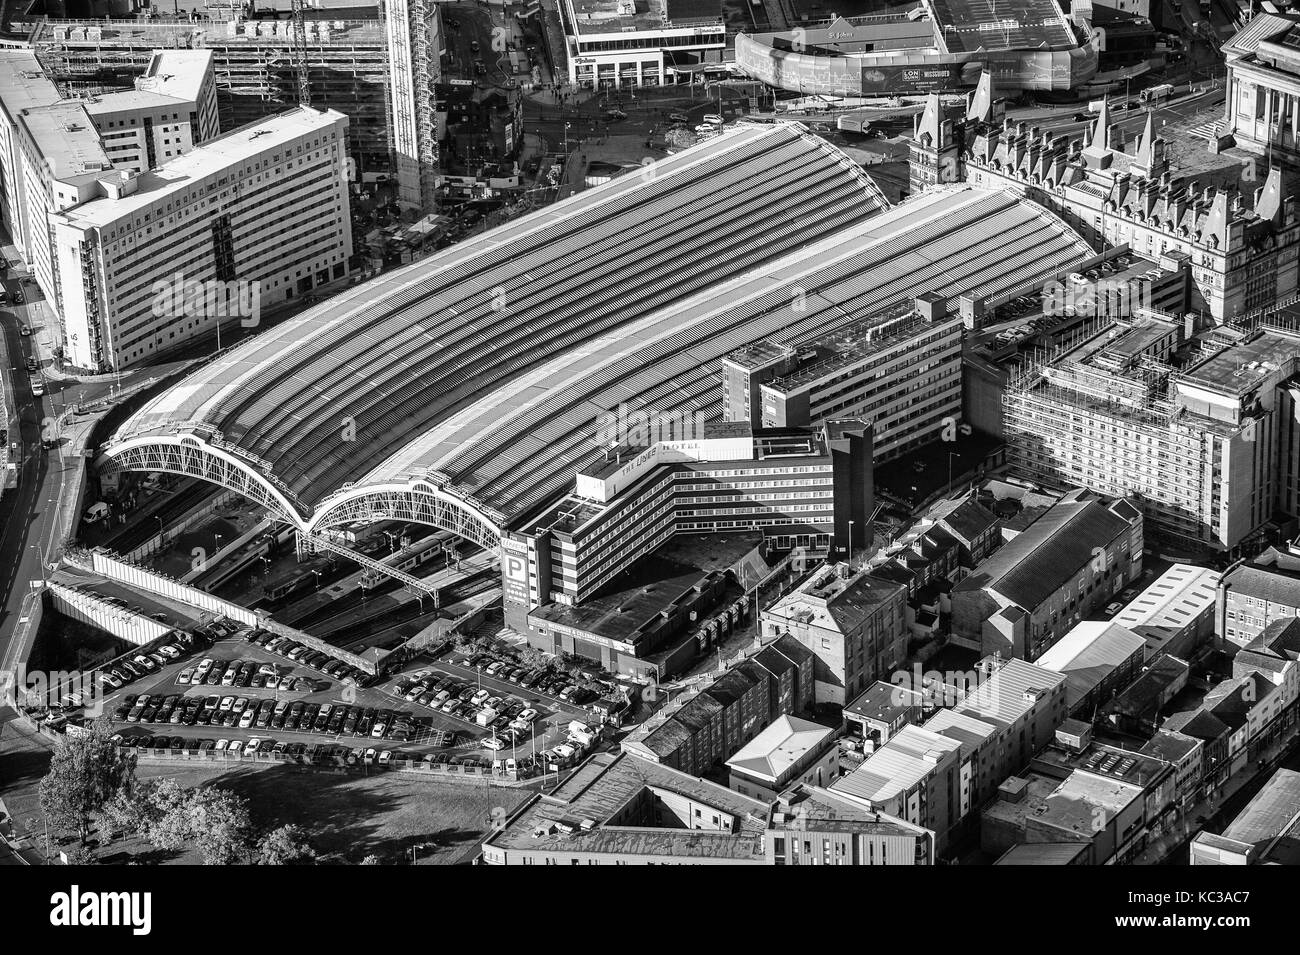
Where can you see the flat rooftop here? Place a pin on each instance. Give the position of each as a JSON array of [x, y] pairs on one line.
[[1240, 368], [23, 84], [211, 34], [185, 172], [66, 136], [611, 16], [967, 25]]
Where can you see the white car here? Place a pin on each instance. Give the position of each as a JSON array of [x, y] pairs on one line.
[[479, 697], [252, 745], [221, 746], [246, 720], [369, 755], [170, 652], [526, 716], [235, 747], [385, 757], [494, 743], [714, 118]]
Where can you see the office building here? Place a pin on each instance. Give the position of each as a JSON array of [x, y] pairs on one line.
[[127, 261], [811, 825], [23, 86], [619, 43], [1065, 566], [900, 369], [854, 622]]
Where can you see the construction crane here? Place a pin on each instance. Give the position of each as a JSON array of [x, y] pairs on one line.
[[300, 53]]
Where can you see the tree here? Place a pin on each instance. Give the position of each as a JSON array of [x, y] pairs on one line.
[[220, 822], [86, 771], [164, 807], [286, 845]]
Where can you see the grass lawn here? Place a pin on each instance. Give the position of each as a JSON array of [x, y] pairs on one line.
[[346, 817]]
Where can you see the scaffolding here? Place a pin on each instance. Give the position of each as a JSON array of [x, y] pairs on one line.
[[255, 68]]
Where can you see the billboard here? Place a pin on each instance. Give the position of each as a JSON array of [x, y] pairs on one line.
[[911, 73]]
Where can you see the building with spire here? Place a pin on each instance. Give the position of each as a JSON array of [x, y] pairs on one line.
[[1243, 255]]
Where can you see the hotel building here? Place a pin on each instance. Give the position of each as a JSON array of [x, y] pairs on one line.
[[267, 204]]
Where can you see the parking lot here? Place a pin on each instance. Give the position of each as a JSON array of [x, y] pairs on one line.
[[238, 693]]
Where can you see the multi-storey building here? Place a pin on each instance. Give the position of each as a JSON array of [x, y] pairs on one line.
[[1262, 101], [53, 151], [1257, 592], [1010, 713], [172, 109], [23, 86], [413, 32], [797, 487], [1066, 565], [266, 204], [1243, 259], [855, 624], [789, 751], [815, 826], [62, 161], [621, 810], [616, 43], [694, 733], [254, 63], [900, 369], [1197, 450], [914, 777]]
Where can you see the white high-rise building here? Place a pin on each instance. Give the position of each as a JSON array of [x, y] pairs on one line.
[[243, 223]]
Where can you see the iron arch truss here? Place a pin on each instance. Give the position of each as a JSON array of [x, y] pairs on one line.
[[417, 501]]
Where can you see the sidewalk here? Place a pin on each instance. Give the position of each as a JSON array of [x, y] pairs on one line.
[[1156, 852]]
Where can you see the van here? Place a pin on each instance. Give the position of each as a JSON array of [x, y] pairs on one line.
[[714, 118]]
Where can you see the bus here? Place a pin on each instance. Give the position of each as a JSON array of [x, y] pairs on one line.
[[1156, 94]]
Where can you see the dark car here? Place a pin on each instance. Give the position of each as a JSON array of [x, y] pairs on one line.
[[337, 717], [350, 724], [366, 720], [295, 715]]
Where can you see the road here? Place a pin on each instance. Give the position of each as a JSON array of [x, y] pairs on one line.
[[29, 538]]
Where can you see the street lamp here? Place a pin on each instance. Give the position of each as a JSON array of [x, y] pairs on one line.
[[851, 523]]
